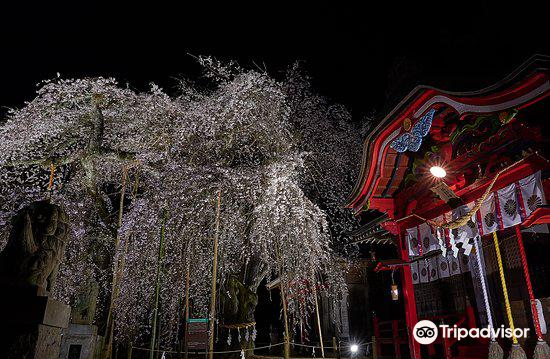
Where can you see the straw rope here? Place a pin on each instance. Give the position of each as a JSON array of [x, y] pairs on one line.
[[239, 350], [238, 326], [461, 221]]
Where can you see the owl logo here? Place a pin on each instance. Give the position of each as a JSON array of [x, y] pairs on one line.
[[425, 332]]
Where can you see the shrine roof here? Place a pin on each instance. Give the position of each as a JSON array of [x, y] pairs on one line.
[[449, 126]]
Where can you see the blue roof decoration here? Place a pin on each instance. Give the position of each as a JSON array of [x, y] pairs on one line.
[[411, 141]]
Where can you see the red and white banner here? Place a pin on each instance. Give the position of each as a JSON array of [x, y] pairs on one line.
[[414, 272], [433, 268], [488, 215], [509, 206], [412, 241], [531, 193], [423, 270], [502, 209], [429, 242], [444, 269], [454, 265]]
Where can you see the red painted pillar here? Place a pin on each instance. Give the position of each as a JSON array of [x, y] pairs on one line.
[[470, 317], [396, 341], [408, 297]]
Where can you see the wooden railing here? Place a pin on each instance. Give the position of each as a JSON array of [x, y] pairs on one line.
[[461, 320], [394, 333], [390, 332]]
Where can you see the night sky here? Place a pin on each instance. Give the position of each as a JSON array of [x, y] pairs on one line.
[[348, 49]]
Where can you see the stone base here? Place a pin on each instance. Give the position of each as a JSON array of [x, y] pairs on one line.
[[31, 326], [40, 342], [79, 341]]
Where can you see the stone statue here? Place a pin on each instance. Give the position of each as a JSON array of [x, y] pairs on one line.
[[83, 311], [35, 248]]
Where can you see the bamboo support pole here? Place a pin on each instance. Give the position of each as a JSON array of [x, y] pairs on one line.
[[314, 292], [283, 299], [214, 277], [109, 329], [285, 314], [158, 341], [319, 325], [50, 183], [186, 325], [157, 290]]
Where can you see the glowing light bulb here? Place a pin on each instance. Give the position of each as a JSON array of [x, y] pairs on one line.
[[438, 172], [354, 348]]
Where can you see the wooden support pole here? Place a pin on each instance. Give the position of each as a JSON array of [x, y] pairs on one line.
[[283, 299], [186, 326], [50, 183], [158, 341], [318, 321], [285, 314], [157, 290], [109, 329], [214, 277]]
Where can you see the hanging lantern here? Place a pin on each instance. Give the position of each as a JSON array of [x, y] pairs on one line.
[[394, 292]]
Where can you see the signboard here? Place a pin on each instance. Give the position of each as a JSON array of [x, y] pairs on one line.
[[197, 334], [443, 191]]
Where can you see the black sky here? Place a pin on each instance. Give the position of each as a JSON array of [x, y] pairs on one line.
[[348, 47]]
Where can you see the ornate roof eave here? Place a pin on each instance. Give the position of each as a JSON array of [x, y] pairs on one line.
[[418, 101]]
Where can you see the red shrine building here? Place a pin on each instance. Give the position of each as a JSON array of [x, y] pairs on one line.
[[459, 182]]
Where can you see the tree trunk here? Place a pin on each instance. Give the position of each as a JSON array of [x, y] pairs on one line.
[[238, 300]]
